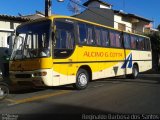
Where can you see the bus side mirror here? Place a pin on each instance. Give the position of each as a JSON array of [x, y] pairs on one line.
[[8, 40]]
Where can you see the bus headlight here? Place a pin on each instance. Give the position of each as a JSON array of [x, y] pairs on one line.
[[38, 74]]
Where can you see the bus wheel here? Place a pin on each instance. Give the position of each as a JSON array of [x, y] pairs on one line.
[[82, 79], [4, 91], [135, 71]]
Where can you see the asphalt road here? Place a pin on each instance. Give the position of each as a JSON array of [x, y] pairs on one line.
[[103, 97]]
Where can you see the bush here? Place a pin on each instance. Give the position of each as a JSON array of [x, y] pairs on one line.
[[155, 43]]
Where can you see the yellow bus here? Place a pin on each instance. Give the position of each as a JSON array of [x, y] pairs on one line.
[[61, 50]]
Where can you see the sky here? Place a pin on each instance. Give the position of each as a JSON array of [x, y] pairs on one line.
[[146, 8]]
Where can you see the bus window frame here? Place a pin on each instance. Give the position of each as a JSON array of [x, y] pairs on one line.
[[146, 49], [100, 35], [137, 42], [74, 36], [127, 48], [107, 31], [114, 32], [137, 39]]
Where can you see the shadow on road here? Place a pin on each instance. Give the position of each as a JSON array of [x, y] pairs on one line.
[[151, 77], [66, 112], [28, 89], [142, 79]]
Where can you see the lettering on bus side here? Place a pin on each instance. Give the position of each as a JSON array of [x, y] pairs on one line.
[[102, 54]]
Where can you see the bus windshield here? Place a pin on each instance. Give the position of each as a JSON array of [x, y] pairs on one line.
[[32, 41]]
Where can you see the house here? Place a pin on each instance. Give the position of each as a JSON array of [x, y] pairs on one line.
[[8, 25], [130, 22], [37, 15], [101, 12]]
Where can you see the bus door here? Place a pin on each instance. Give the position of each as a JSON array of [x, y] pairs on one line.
[[63, 51]]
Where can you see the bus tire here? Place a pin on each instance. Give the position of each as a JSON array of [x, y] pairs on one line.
[[82, 79], [135, 72], [4, 91]]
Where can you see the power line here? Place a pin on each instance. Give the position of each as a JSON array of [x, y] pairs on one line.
[[102, 15]]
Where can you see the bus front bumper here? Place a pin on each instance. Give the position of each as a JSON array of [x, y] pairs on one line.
[[35, 78]]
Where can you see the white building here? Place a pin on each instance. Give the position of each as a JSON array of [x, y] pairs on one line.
[[97, 4], [98, 10], [8, 25], [130, 22]]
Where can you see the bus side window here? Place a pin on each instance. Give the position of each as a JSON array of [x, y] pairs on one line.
[[141, 44], [98, 36], [112, 38], [105, 39], [127, 41], [90, 35], [147, 44], [82, 33], [137, 42], [64, 35], [64, 39], [115, 39], [133, 42], [118, 39]]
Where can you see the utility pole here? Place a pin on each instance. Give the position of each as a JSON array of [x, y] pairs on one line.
[[48, 10]]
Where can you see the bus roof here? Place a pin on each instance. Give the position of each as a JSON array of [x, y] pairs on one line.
[[81, 20]]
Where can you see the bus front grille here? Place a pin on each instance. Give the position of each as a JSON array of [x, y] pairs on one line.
[[23, 75]]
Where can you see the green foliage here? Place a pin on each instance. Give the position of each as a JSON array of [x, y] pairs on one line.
[[155, 41], [158, 27]]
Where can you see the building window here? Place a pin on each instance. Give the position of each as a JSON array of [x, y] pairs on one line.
[[121, 26]]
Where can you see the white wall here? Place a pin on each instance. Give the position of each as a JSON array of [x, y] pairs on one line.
[[118, 19], [4, 24], [104, 6], [16, 25], [97, 5], [5, 31]]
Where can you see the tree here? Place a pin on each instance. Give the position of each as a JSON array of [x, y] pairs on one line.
[[155, 43], [158, 27], [74, 7]]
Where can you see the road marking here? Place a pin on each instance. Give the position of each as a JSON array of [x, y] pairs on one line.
[[10, 100], [35, 98]]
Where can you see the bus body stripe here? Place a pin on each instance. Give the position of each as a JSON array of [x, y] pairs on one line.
[[95, 61]]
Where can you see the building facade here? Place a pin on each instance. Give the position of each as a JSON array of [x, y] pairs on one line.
[[101, 12], [131, 22], [8, 25]]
